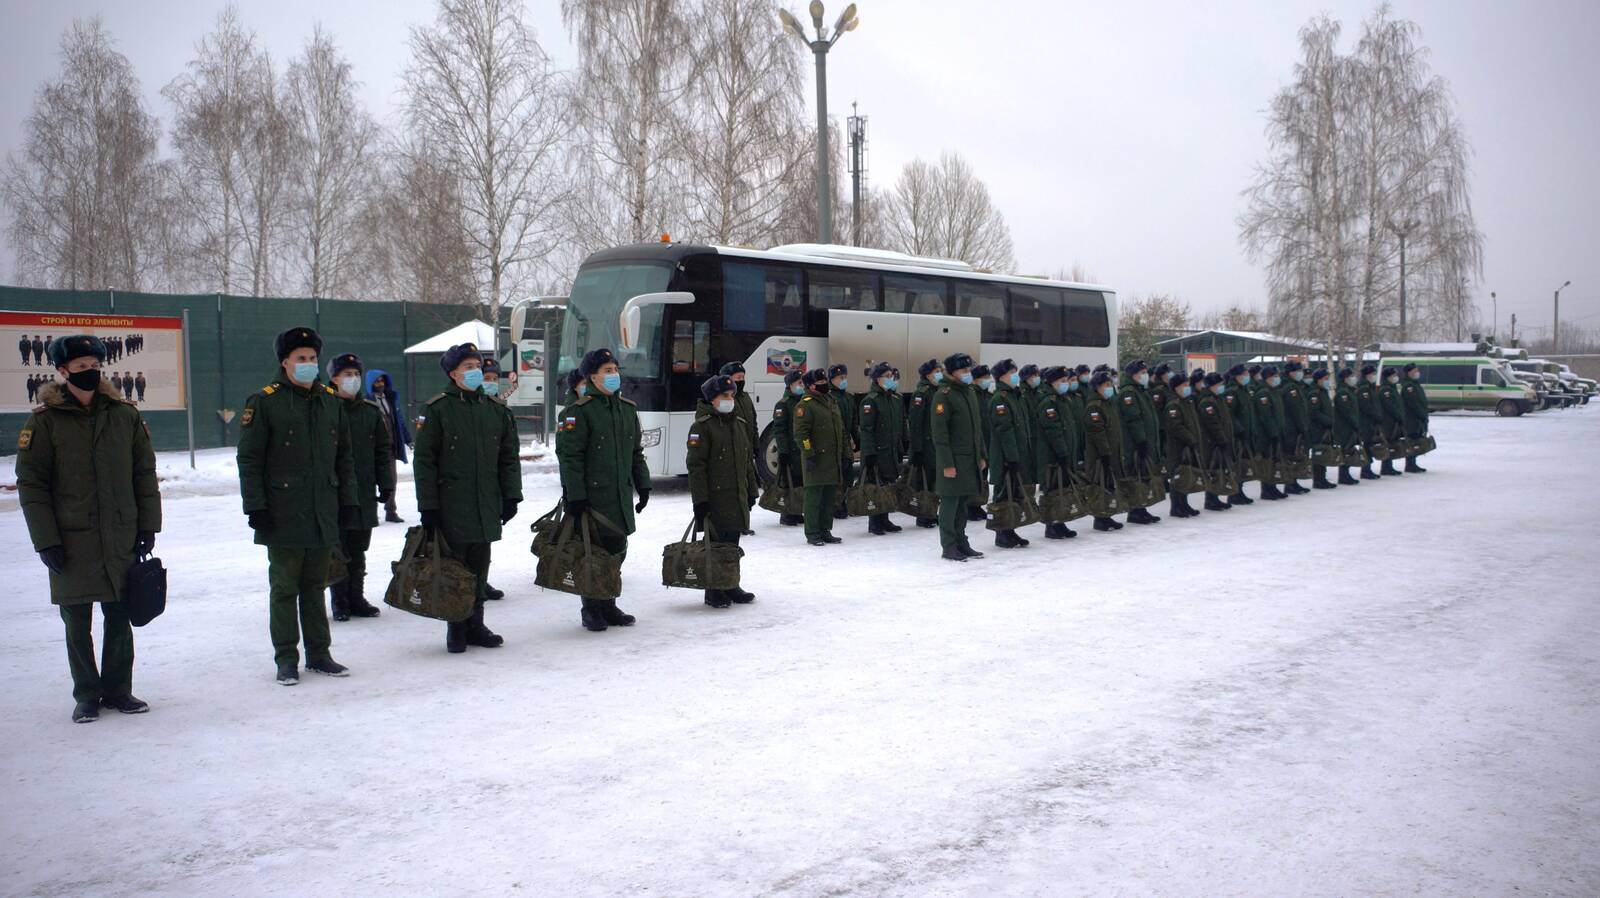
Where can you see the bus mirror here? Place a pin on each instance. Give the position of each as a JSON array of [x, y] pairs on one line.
[[519, 320], [631, 315]]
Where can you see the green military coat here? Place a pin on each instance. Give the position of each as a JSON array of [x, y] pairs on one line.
[[1319, 411], [599, 448], [920, 419], [1346, 416], [1296, 415], [1241, 411], [819, 432], [881, 426], [1269, 419], [1058, 434], [1216, 430], [295, 462], [722, 470], [371, 451], [1414, 402], [86, 479], [1141, 428], [744, 408], [956, 429], [1371, 410], [782, 424], [1010, 435], [1393, 410], [849, 416], [1180, 430], [466, 463], [1105, 442]]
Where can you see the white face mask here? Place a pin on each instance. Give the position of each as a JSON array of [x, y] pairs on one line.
[[724, 405], [350, 386]]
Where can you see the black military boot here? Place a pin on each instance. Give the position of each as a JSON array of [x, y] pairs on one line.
[[1019, 539], [357, 597], [480, 635], [1270, 492], [927, 523], [1105, 525], [288, 673], [830, 539], [340, 600], [1005, 539], [1388, 469], [1189, 507], [716, 598], [1175, 507], [1142, 516], [1319, 479], [1366, 472], [875, 525], [126, 704], [492, 594], [1214, 503], [953, 555], [791, 520], [890, 526], [89, 711], [1054, 531], [976, 513], [1412, 467], [740, 597], [1346, 480], [1295, 489], [967, 550], [592, 618], [615, 616], [1240, 498], [455, 637]]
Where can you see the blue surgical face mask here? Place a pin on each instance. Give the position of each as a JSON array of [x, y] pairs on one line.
[[305, 372], [937, 376], [1015, 379], [1297, 376], [1072, 385], [966, 378], [842, 384], [613, 382], [472, 380], [891, 385], [581, 388], [1142, 379], [1274, 381], [1216, 389], [1350, 381], [1033, 381], [1108, 391], [491, 388], [1244, 380], [797, 388], [1064, 387], [1372, 378], [1184, 391], [987, 383]]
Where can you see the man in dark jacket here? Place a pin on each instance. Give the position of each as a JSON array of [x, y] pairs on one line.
[[1180, 436], [1141, 430], [919, 441], [1371, 415], [1105, 447], [381, 390], [373, 461], [1319, 412], [1394, 413], [86, 477], [881, 426], [297, 481], [1296, 421], [1414, 404], [468, 479], [745, 410], [722, 473], [1216, 430], [1347, 421], [1056, 452], [602, 468], [1010, 445], [790, 470], [956, 434]]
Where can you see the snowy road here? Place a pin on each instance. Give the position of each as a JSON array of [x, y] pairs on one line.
[[1383, 690]]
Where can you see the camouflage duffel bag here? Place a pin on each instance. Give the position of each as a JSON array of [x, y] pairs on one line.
[[576, 565], [915, 498], [429, 581], [1380, 451], [1325, 456], [695, 562], [1062, 501], [781, 495], [1188, 479], [869, 497], [1423, 445], [545, 528], [1101, 500], [1013, 506], [338, 566], [1155, 488], [1353, 457], [1297, 468], [1251, 468], [1222, 481]]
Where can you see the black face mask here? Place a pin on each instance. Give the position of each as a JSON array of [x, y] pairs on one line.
[[86, 380], [738, 386]]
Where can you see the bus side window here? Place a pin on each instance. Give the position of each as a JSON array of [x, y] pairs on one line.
[[835, 289], [908, 293], [1083, 319], [1035, 316], [760, 298], [975, 299]]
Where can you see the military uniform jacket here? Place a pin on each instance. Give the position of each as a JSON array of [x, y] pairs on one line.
[[1180, 428], [819, 431], [1079, 402], [1394, 411], [1011, 432], [783, 426], [1414, 402], [956, 429], [744, 408], [1296, 416], [295, 462], [370, 453], [881, 411], [1346, 416], [1269, 417], [602, 459], [1216, 429], [1102, 425], [1141, 428], [848, 406], [722, 470], [919, 417], [1058, 434], [1243, 415], [1319, 410], [86, 478], [466, 463], [1371, 410]]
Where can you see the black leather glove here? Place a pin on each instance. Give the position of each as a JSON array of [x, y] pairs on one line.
[[145, 544], [349, 517], [260, 520], [508, 509], [701, 509], [54, 558], [432, 520], [576, 507], [644, 499]]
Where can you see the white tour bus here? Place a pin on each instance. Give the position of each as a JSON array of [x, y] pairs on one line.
[[675, 313]]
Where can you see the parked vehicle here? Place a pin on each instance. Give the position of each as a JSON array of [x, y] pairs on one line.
[[1473, 382]]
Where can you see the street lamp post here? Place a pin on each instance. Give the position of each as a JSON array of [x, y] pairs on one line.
[[1494, 327], [820, 47], [1404, 231], [1555, 330]]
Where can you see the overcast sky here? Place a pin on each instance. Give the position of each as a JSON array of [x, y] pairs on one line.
[[1118, 135]]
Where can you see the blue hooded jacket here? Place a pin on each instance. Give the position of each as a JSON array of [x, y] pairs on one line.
[[400, 435]]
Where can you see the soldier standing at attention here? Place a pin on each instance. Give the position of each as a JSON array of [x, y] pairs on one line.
[[372, 458], [744, 408], [956, 431], [881, 412], [602, 469], [86, 478], [1242, 412], [1180, 429], [297, 479], [1414, 401], [1347, 421], [1057, 449], [1296, 421], [722, 473], [1319, 411], [819, 433], [794, 389], [983, 383], [1394, 412], [1141, 431], [1269, 420], [848, 405], [1371, 415], [494, 389], [1102, 424], [1010, 445], [1216, 431], [929, 374]]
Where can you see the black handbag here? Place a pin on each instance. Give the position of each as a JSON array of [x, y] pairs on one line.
[[145, 594]]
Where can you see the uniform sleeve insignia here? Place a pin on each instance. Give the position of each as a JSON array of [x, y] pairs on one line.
[[694, 439], [1094, 416], [1173, 413], [866, 409], [1049, 413], [938, 408], [1229, 398], [800, 413], [1263, 400], [1000, 409], [1128, 399], [806, 445], [1211, 410], [329, 389], [248, 416], [25, 438], [777, 412], [917, 401], [570, 423]]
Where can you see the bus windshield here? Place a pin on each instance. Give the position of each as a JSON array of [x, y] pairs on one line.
[[593, 307]]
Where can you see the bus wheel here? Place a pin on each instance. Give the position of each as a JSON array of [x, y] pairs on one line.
[[766, 458], [1507, 409]]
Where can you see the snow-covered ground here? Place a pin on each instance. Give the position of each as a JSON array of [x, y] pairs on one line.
[[1383, 690]]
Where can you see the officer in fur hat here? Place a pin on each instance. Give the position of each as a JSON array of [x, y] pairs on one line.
[[722, 473], [881, 425], [956, 432]]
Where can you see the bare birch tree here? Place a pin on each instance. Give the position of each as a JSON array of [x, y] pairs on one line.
[[86, 191], [481, 93], [945, 210], [412, 244], [334, 136]]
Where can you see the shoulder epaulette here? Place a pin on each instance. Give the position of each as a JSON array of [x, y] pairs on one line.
[[805, 398], [701, 419], [330, 389], [627, 400], [584, 399], [269, 389], [436, 398]]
